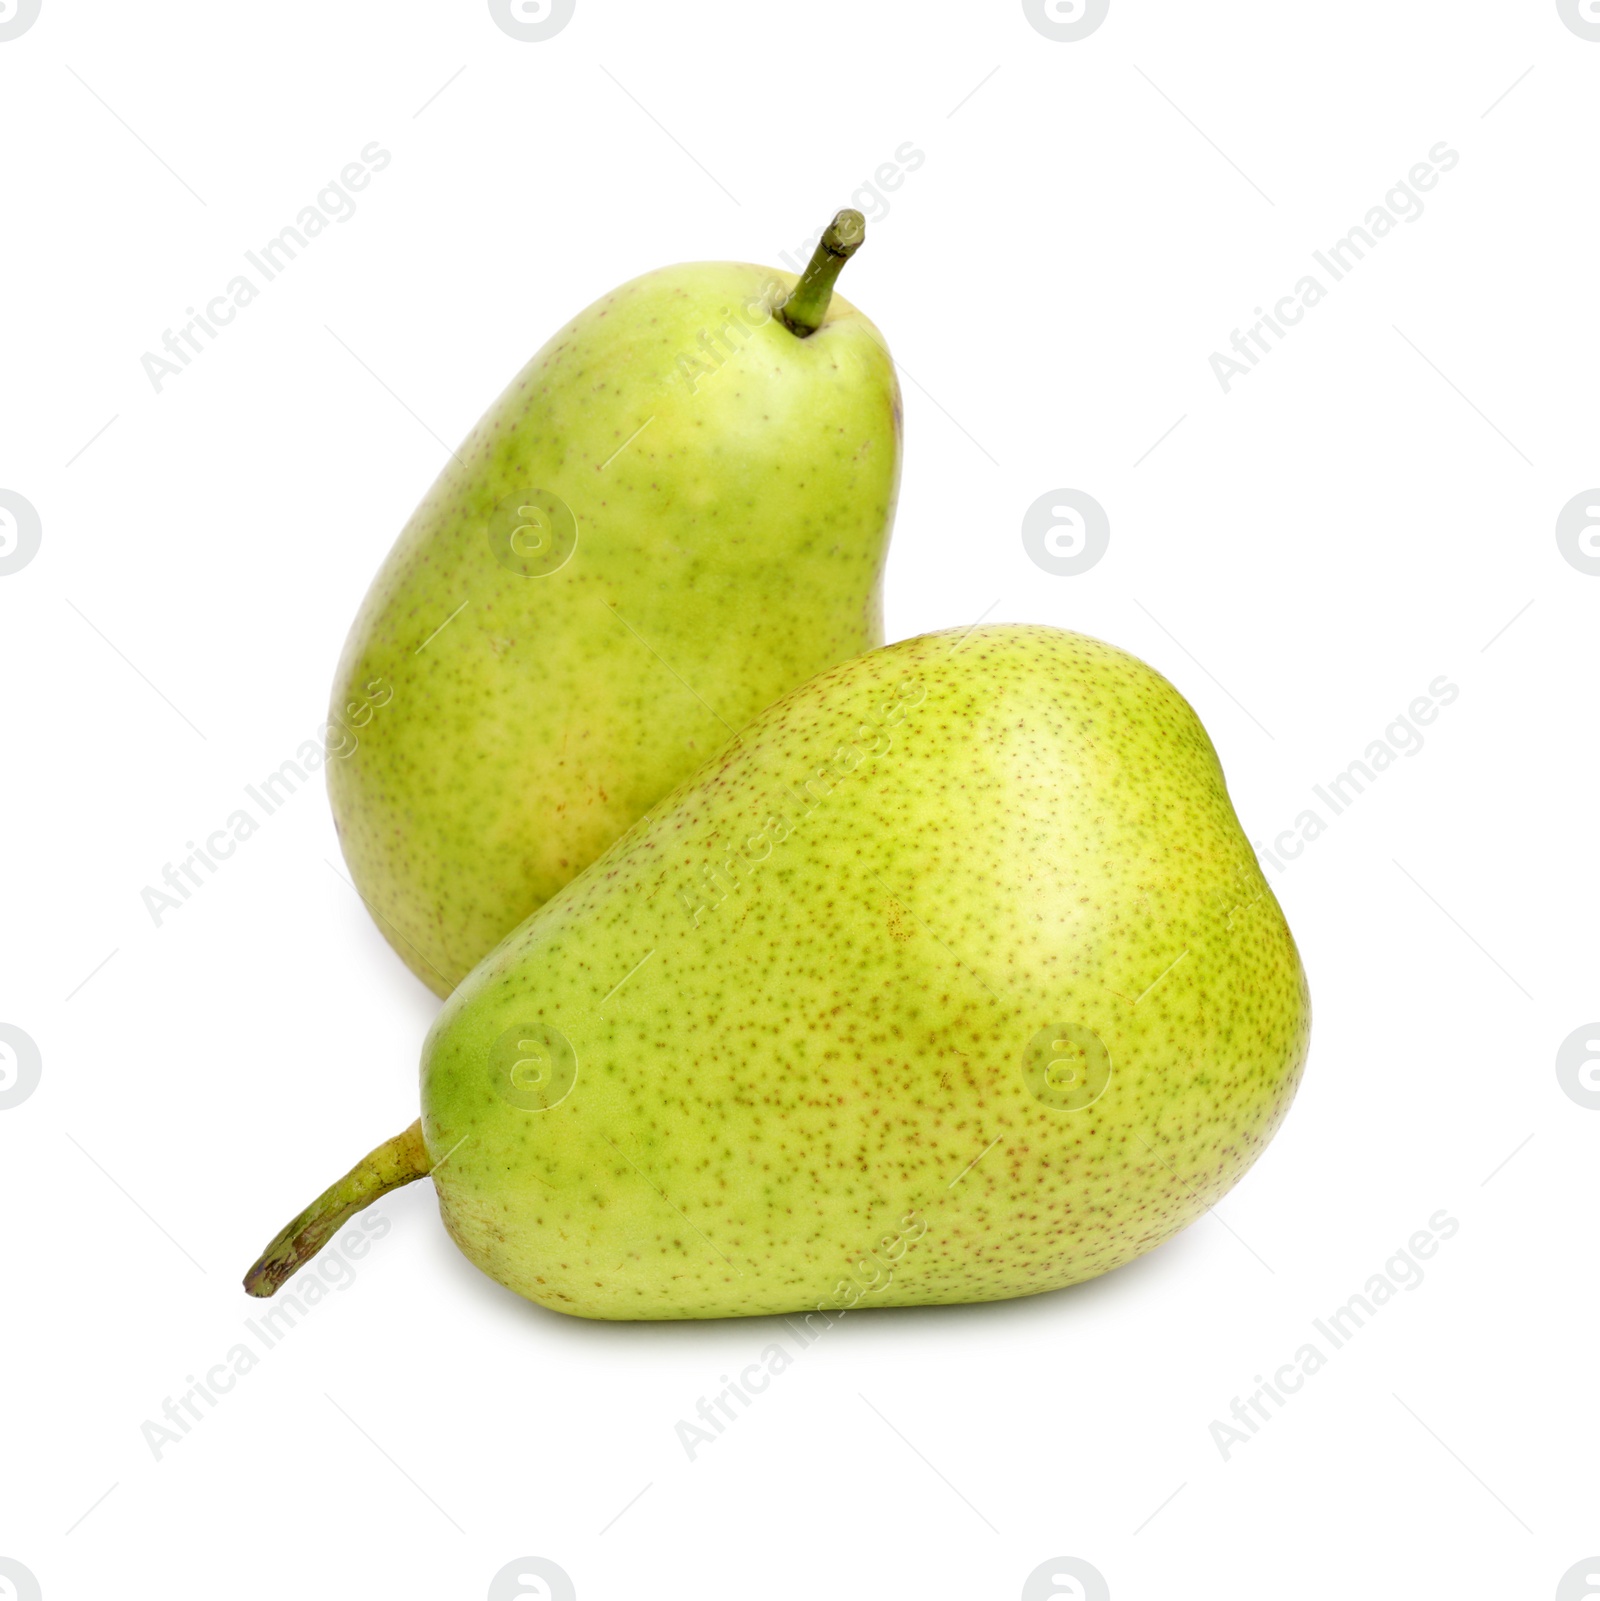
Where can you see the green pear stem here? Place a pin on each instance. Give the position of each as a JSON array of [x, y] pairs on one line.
[[395, 1162], [807, 305]]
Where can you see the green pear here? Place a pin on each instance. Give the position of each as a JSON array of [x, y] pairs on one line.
[[954, 979], [678, 511]]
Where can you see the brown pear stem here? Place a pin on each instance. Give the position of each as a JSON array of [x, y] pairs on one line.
[[395, 1162]]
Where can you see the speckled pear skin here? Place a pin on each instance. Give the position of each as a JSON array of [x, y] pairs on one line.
[[838, 1015], [499, 724]]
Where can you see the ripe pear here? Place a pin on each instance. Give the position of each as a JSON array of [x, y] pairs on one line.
[[954, 979], [677, 511]]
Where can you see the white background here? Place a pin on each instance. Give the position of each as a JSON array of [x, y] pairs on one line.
[[1374, 506]]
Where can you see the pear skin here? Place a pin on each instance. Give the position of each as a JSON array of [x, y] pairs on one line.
[[676, 512], [954, 979]]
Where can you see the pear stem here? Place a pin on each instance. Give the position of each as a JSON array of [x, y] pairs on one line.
[[807, 305], [395, 1162]]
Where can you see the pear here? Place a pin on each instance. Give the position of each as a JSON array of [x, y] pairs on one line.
[[677, 511], [954, 979]]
